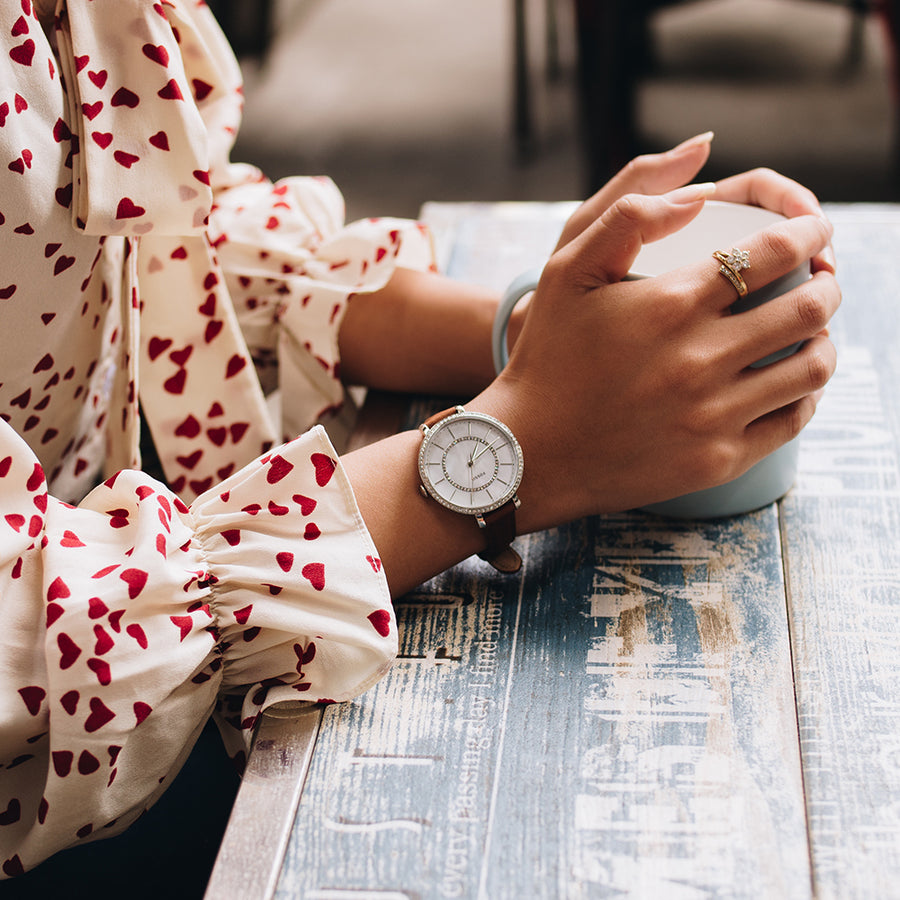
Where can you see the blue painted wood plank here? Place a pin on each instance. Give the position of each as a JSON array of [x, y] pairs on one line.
[[841, 527]]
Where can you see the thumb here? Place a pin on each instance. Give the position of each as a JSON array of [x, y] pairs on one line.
[[606, 251]]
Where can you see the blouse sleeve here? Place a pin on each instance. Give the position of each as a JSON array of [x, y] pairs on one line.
[[127, 617]]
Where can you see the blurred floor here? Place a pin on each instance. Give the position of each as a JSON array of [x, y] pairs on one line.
[[410, 100]]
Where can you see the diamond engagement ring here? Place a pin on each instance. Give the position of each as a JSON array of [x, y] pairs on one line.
[[732, 264]]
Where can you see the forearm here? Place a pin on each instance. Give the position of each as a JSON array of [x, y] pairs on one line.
[[421, 332]]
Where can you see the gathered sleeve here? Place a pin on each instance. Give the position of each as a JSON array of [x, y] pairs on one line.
[[126, 619]]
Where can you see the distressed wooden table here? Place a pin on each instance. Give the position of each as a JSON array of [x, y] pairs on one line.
[[655, 708]]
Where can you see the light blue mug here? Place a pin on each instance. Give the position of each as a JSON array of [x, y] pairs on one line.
[[719, 226]]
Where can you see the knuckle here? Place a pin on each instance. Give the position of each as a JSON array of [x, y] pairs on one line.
[[629, 207], [639, 166], [820, 364], [778, 243], [795, 418], [810, 311]]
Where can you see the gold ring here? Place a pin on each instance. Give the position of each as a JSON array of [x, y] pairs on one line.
[[732, 264]]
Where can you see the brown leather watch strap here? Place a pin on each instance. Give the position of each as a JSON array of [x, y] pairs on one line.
[[500, 531], [431, 421]]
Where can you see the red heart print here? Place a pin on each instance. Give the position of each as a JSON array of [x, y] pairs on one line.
[[189, 428], [4, 112], [69, 702], [374, 562], [58, 588], [92, 110], [324, 466], [184, 624], [210, 281], [128, 209], [251, 510], [125, 97], [33, 697], [136, 579], [157, 54], [189, 461], [8, 291], [208, 307], [175, 384], [279, 468], [141, 711], [97, 609], [314, 573], [98, 78], [381, 621], [63, 263], [238, 430], [217, 436], [307, 504], [62, 762], [157, 346], [20, 103], [81, 62], [170, 91], [102, 670], [180, 357], [285, 560], [23, 54], [212, 330], [135, 631], [64, 196], [242, 615], [311, 532], [201, 89], [100, 715], [68, 649], [126, 160], [70, 539], [5, 465], [13, 866], [215, 410], [20, 27], [235, 364], [160, 140], [201, 485], [54, 611], [104, 643], [277, 510], [232, 536], [87, 763], [12, 813]]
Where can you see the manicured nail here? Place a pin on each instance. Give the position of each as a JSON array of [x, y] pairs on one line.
[[695, 141], [692, 193]]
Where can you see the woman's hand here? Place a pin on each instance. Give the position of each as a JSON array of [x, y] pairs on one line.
[[627, 393]]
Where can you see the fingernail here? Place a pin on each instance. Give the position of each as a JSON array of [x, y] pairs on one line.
[[696, 141], [692, 193], [829, 258]]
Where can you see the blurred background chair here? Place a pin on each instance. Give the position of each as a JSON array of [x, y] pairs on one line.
[[616, 50]]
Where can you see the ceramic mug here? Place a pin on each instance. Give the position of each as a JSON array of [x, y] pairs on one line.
[[719, 226]]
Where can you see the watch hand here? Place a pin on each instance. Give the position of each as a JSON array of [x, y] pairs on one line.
[[482, 450]]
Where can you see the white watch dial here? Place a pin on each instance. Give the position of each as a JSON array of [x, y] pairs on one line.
[[470, 463]]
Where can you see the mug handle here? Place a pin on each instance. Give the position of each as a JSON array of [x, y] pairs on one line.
[[522, 285]]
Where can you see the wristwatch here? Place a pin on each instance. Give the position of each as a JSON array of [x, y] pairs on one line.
[[471, 463]]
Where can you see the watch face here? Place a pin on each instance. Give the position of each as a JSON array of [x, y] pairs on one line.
[[470, 463]]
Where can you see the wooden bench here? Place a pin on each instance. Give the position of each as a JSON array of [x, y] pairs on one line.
[[655, 708]]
